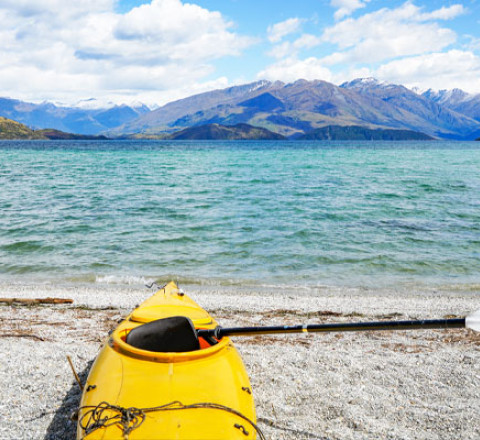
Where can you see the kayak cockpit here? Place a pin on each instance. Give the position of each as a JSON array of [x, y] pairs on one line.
[[172, 339], [174, 334]]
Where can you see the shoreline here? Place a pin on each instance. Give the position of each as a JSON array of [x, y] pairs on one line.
[[393, 385]]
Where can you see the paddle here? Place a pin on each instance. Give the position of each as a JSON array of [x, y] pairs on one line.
[[472, 322]]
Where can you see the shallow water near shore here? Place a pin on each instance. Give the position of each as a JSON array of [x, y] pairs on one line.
[[376, 214]]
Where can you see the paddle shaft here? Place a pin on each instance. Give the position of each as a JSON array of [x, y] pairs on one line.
[[220, 332]]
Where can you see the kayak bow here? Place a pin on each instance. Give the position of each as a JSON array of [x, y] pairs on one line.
[[176, 392]]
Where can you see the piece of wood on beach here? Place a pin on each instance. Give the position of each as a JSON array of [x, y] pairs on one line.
[[30, 301], [21, 335]]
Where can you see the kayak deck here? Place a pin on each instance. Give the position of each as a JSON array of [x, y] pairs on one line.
[[200, 394]]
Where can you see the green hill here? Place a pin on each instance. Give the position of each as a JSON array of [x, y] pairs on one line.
[[225, 132], [52, 134], [13, 130], [354, 132]]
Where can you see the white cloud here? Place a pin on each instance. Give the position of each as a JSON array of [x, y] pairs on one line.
[[387, 34], [444, 13], [346, 7], [291, 49], [178, 31], [451, 69], [291, 69], [164, 49], [76, 50], [406, 45], [306, 41], [279, 30], [474, 43], [58, 8], [282, 50]]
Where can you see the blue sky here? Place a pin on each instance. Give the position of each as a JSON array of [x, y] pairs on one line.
[[155, 51]]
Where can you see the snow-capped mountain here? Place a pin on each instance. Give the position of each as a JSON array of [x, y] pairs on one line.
[[302, 106], [449, 97], [288, 109], [457, 100], [87, 118]]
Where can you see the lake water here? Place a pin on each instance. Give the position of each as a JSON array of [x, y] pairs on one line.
[[253, 213]]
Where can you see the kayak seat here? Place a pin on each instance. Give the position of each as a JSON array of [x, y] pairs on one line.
[[174, 334]]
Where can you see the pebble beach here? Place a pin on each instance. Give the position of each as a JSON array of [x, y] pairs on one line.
[[376, 385]]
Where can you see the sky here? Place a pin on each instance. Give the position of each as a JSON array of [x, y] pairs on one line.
[[94, 52]]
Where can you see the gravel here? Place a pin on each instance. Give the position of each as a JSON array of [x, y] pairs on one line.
[[390, 385]]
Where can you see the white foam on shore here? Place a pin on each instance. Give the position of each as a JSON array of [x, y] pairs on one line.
[[128, 280]]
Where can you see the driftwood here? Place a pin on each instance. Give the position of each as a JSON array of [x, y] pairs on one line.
[[30, 301], [21, 335], [77, 378]]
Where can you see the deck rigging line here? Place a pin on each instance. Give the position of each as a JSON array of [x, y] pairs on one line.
[[129, 419]]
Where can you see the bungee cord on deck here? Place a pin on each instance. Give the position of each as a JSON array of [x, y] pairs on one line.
[[104, 415]]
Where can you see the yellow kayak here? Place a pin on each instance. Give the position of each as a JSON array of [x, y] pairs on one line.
[[152, 380]]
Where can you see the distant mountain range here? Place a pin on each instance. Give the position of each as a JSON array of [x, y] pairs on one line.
[[69, 119], [303, 106], [290, 110]]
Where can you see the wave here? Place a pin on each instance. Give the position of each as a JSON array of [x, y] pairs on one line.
[[122, 279]]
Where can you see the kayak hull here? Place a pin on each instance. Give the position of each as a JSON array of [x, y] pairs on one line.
[[201, 394]]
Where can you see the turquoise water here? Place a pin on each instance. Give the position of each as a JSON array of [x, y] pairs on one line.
[[343, 213]]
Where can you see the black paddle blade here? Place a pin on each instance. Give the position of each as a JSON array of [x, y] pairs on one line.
[[175, 334]]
